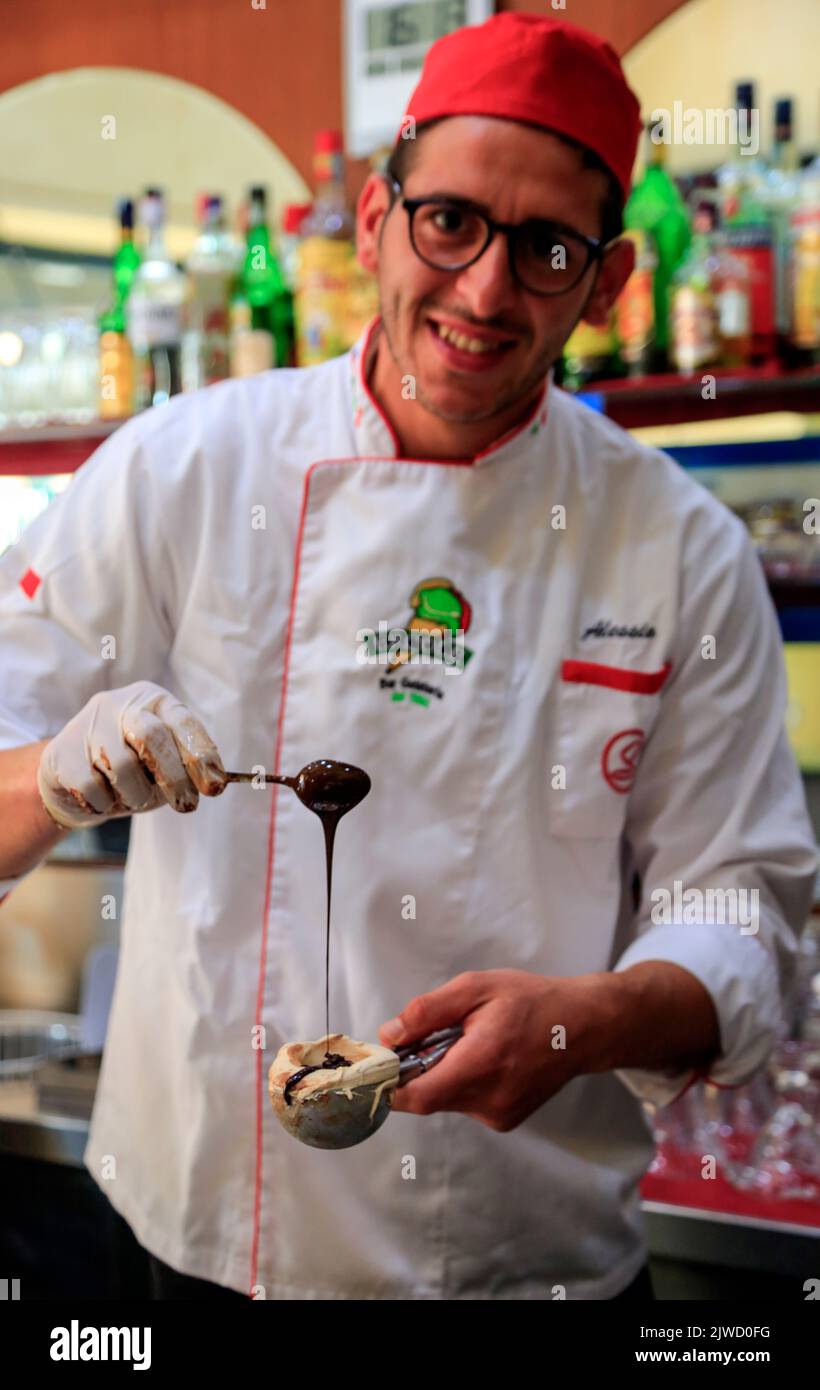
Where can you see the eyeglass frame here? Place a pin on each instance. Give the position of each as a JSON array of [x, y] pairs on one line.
[[596, 248]]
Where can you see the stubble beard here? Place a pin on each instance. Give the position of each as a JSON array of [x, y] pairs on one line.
[[521, 392]]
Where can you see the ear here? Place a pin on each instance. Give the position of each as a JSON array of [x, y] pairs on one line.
[[613, 273], [372, 205]]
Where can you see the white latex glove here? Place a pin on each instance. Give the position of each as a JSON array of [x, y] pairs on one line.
[[128, 750]]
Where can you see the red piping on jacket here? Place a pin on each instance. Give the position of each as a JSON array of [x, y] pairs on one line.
[[615, 677]]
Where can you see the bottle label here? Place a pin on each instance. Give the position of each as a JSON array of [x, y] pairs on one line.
[[152, 324], [733, 310], [759, 262], [805, 280], [322, 305], [116, 400], [635, 311], [252, 350], [694, 329]]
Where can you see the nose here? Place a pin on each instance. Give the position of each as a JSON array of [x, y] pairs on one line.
[[487, 286]]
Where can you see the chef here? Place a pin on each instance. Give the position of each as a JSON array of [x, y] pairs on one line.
[[549, 822]]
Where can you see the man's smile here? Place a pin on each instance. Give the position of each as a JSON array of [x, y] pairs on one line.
[[465, 347]]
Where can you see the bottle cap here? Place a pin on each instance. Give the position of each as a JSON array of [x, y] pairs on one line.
[[328, 142]]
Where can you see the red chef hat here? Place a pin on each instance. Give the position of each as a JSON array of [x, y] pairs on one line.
[[543, 71]]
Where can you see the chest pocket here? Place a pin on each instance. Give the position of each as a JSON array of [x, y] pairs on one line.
[[602, 717]]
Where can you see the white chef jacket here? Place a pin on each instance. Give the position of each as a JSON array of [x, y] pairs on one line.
[[235, 543]]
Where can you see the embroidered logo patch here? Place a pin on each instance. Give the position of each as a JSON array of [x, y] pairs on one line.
[[620, 758], [432, 639]]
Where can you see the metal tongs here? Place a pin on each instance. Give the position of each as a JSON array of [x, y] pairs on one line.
[[418, 1057]]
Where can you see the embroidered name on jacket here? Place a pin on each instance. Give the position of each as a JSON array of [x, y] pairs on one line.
[[604, 628]]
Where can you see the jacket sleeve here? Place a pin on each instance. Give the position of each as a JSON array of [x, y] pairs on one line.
[[718, 804], [81, 594]]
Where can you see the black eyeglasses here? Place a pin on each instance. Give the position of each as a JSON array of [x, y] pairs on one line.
[[452, 233]]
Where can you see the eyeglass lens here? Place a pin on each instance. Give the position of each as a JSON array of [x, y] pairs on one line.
[[546, 259]]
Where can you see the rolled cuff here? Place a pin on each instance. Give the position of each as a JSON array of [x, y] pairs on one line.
[[741, 978]]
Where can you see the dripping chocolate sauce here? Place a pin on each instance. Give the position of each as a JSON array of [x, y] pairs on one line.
[[330, 790]]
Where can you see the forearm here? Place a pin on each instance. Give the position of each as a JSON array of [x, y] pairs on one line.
[[653, 1015], [27, 832]]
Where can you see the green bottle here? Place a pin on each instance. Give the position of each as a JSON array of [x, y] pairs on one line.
[[126, 262], [263, 304], [656, 206]]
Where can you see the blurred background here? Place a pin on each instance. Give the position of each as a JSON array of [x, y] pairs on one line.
[[177, 195]]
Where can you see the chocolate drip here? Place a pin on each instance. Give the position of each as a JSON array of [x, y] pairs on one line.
[[330, 790]]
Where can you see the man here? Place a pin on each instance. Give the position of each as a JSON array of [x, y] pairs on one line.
[[614, 740]]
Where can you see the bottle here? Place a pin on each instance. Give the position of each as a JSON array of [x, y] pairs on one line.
[[154, 311], [749, 237], [590, 354], [635, 307], [127, 257], [116, 359], [293, 216], [804, 271], [779, 192], [325, 263], [655, 206], [748, 224], [809, 1025], [693, 306], [210, 269], [741, 172], [730, 283], [261, 307]]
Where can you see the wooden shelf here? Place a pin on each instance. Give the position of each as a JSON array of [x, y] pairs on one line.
[[641, 402], [53, 449], [633, 402]]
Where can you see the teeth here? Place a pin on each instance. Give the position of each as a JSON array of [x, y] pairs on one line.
[[465, 344]]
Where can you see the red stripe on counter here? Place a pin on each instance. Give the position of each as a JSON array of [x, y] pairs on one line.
[[615, 677]]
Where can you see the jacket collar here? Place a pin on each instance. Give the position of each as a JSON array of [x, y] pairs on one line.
[[375, 436]]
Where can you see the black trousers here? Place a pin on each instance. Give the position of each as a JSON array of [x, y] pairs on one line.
[[168, 1283]]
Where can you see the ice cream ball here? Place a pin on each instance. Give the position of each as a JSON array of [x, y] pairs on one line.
[[334, 1107]]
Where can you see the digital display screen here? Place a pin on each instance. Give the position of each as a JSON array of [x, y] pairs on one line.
[[400, 26]]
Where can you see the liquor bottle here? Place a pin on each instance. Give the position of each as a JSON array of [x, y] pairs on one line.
[[730, 284], [154, 311], [779, 191], [590, 354], [326, 257], [293, 216], [210, 268], [804, 271], [655, 206], [693, 311], [262, 306], [116, 360], [741, 172], [127, 257], [635, 307], [750, 237]]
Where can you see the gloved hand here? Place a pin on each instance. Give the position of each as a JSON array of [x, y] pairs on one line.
[[128, 750]]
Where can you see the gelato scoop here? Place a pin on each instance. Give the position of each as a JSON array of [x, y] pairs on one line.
[[334, 1092]]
